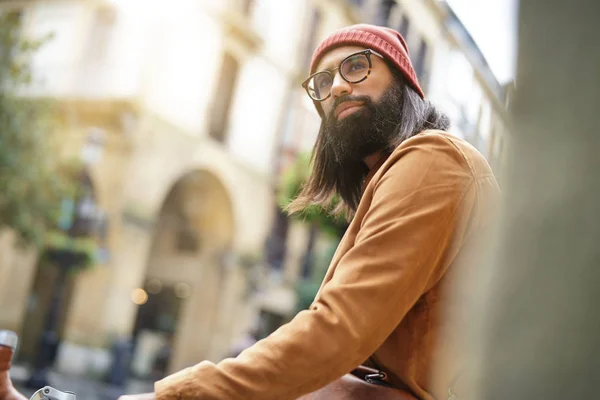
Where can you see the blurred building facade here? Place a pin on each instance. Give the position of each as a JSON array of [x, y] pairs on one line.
[[175, 109], [186, 115]]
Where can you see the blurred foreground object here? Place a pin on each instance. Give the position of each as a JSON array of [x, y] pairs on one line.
[[49, 393], [8, 344], [542, 319]]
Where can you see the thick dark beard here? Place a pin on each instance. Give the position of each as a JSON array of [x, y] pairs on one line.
[[370, 129], [347, 142]]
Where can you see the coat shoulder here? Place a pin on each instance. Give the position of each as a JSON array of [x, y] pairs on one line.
[[458, 152]]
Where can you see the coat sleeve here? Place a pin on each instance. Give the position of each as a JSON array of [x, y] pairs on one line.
[[401, 250]]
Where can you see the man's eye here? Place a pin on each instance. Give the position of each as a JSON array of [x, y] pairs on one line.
[[323, 83], [357, 66]]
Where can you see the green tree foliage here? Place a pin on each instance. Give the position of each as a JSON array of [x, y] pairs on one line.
[[31, 185], [290, 187]]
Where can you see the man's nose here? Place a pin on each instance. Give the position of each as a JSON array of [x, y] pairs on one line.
[[340, 87]]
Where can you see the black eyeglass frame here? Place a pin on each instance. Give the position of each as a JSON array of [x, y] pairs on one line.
[[331, 72]]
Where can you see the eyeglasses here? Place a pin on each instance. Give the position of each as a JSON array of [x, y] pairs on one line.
[[353, 69]]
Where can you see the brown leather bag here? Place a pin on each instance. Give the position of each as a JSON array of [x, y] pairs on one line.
[[363, 383]]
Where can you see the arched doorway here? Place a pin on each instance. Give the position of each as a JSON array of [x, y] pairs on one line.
[[180, 301]]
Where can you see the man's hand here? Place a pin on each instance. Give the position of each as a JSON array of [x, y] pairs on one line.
[[145, 396]]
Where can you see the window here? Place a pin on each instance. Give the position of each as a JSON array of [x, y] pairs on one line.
[[223, 97], [467, 128], [496, 151], [385, 10], [420, 59], [100, 34], [312, 36], [404, 27], [483, 127]]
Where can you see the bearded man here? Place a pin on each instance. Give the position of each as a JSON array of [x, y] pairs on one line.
[[418, 199]]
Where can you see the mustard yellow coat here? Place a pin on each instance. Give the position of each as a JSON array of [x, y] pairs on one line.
[[385, 295]]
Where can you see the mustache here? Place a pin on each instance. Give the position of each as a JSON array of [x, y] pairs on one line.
[[340, 100]]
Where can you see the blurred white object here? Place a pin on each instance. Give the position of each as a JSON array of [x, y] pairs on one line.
[[49, 393]]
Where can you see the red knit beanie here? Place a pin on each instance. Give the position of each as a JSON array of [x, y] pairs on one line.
[[385, 41]]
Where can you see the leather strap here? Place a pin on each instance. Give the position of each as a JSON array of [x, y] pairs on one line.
[[372, 375], [377, 376]]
